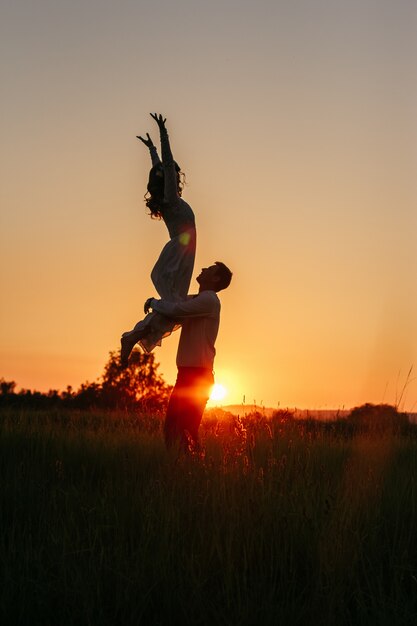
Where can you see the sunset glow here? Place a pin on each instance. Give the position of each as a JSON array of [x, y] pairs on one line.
[[299, 152], [219, 393]]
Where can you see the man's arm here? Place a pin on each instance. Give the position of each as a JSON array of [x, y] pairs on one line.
[[202, 305]]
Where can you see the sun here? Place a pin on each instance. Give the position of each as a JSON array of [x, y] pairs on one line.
[[218, 393]]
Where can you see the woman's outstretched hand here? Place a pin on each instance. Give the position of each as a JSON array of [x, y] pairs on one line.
[[148, 142], [160, 120]]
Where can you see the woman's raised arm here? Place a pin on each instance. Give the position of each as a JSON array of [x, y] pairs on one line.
[[153, 151], [171, 194]]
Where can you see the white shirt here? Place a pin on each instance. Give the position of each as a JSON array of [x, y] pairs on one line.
[[199, 317]]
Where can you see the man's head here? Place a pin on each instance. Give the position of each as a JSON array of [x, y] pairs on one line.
[[215, 277]]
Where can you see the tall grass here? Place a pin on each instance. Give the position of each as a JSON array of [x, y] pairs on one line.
[[273, 524]]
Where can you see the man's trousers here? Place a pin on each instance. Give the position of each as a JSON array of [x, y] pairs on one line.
[[186, 404]]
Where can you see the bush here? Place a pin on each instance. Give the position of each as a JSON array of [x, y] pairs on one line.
[[378, 418]]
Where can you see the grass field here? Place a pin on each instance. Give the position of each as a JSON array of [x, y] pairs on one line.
[[275, 524]]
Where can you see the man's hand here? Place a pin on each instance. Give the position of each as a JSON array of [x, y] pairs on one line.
[[159, 120], [147, 305], [148, 142]]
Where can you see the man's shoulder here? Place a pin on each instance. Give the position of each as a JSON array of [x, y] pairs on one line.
[[211, 298], [208, 294]]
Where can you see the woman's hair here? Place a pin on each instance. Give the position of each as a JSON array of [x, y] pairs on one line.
[[154, 197]]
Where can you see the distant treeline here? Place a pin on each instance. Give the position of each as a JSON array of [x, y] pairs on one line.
[[137, 387], [367, 418]]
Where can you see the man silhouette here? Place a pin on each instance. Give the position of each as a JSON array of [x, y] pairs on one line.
[[199, 317]]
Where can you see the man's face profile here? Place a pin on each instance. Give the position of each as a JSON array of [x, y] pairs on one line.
[[208, 275]]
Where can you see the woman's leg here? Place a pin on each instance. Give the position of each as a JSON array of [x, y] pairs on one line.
[[128, 342]]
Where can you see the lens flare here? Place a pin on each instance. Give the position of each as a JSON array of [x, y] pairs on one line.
[[184, 239]]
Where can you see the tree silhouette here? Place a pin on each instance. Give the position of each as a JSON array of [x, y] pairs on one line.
[[137, 386], [7, 387]]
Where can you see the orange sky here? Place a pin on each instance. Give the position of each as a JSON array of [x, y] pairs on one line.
[[295, 124]]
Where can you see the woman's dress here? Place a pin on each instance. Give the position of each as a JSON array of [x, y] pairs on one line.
[[173, 270]]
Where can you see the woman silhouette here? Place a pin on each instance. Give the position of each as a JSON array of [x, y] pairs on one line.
[[172, 272]]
